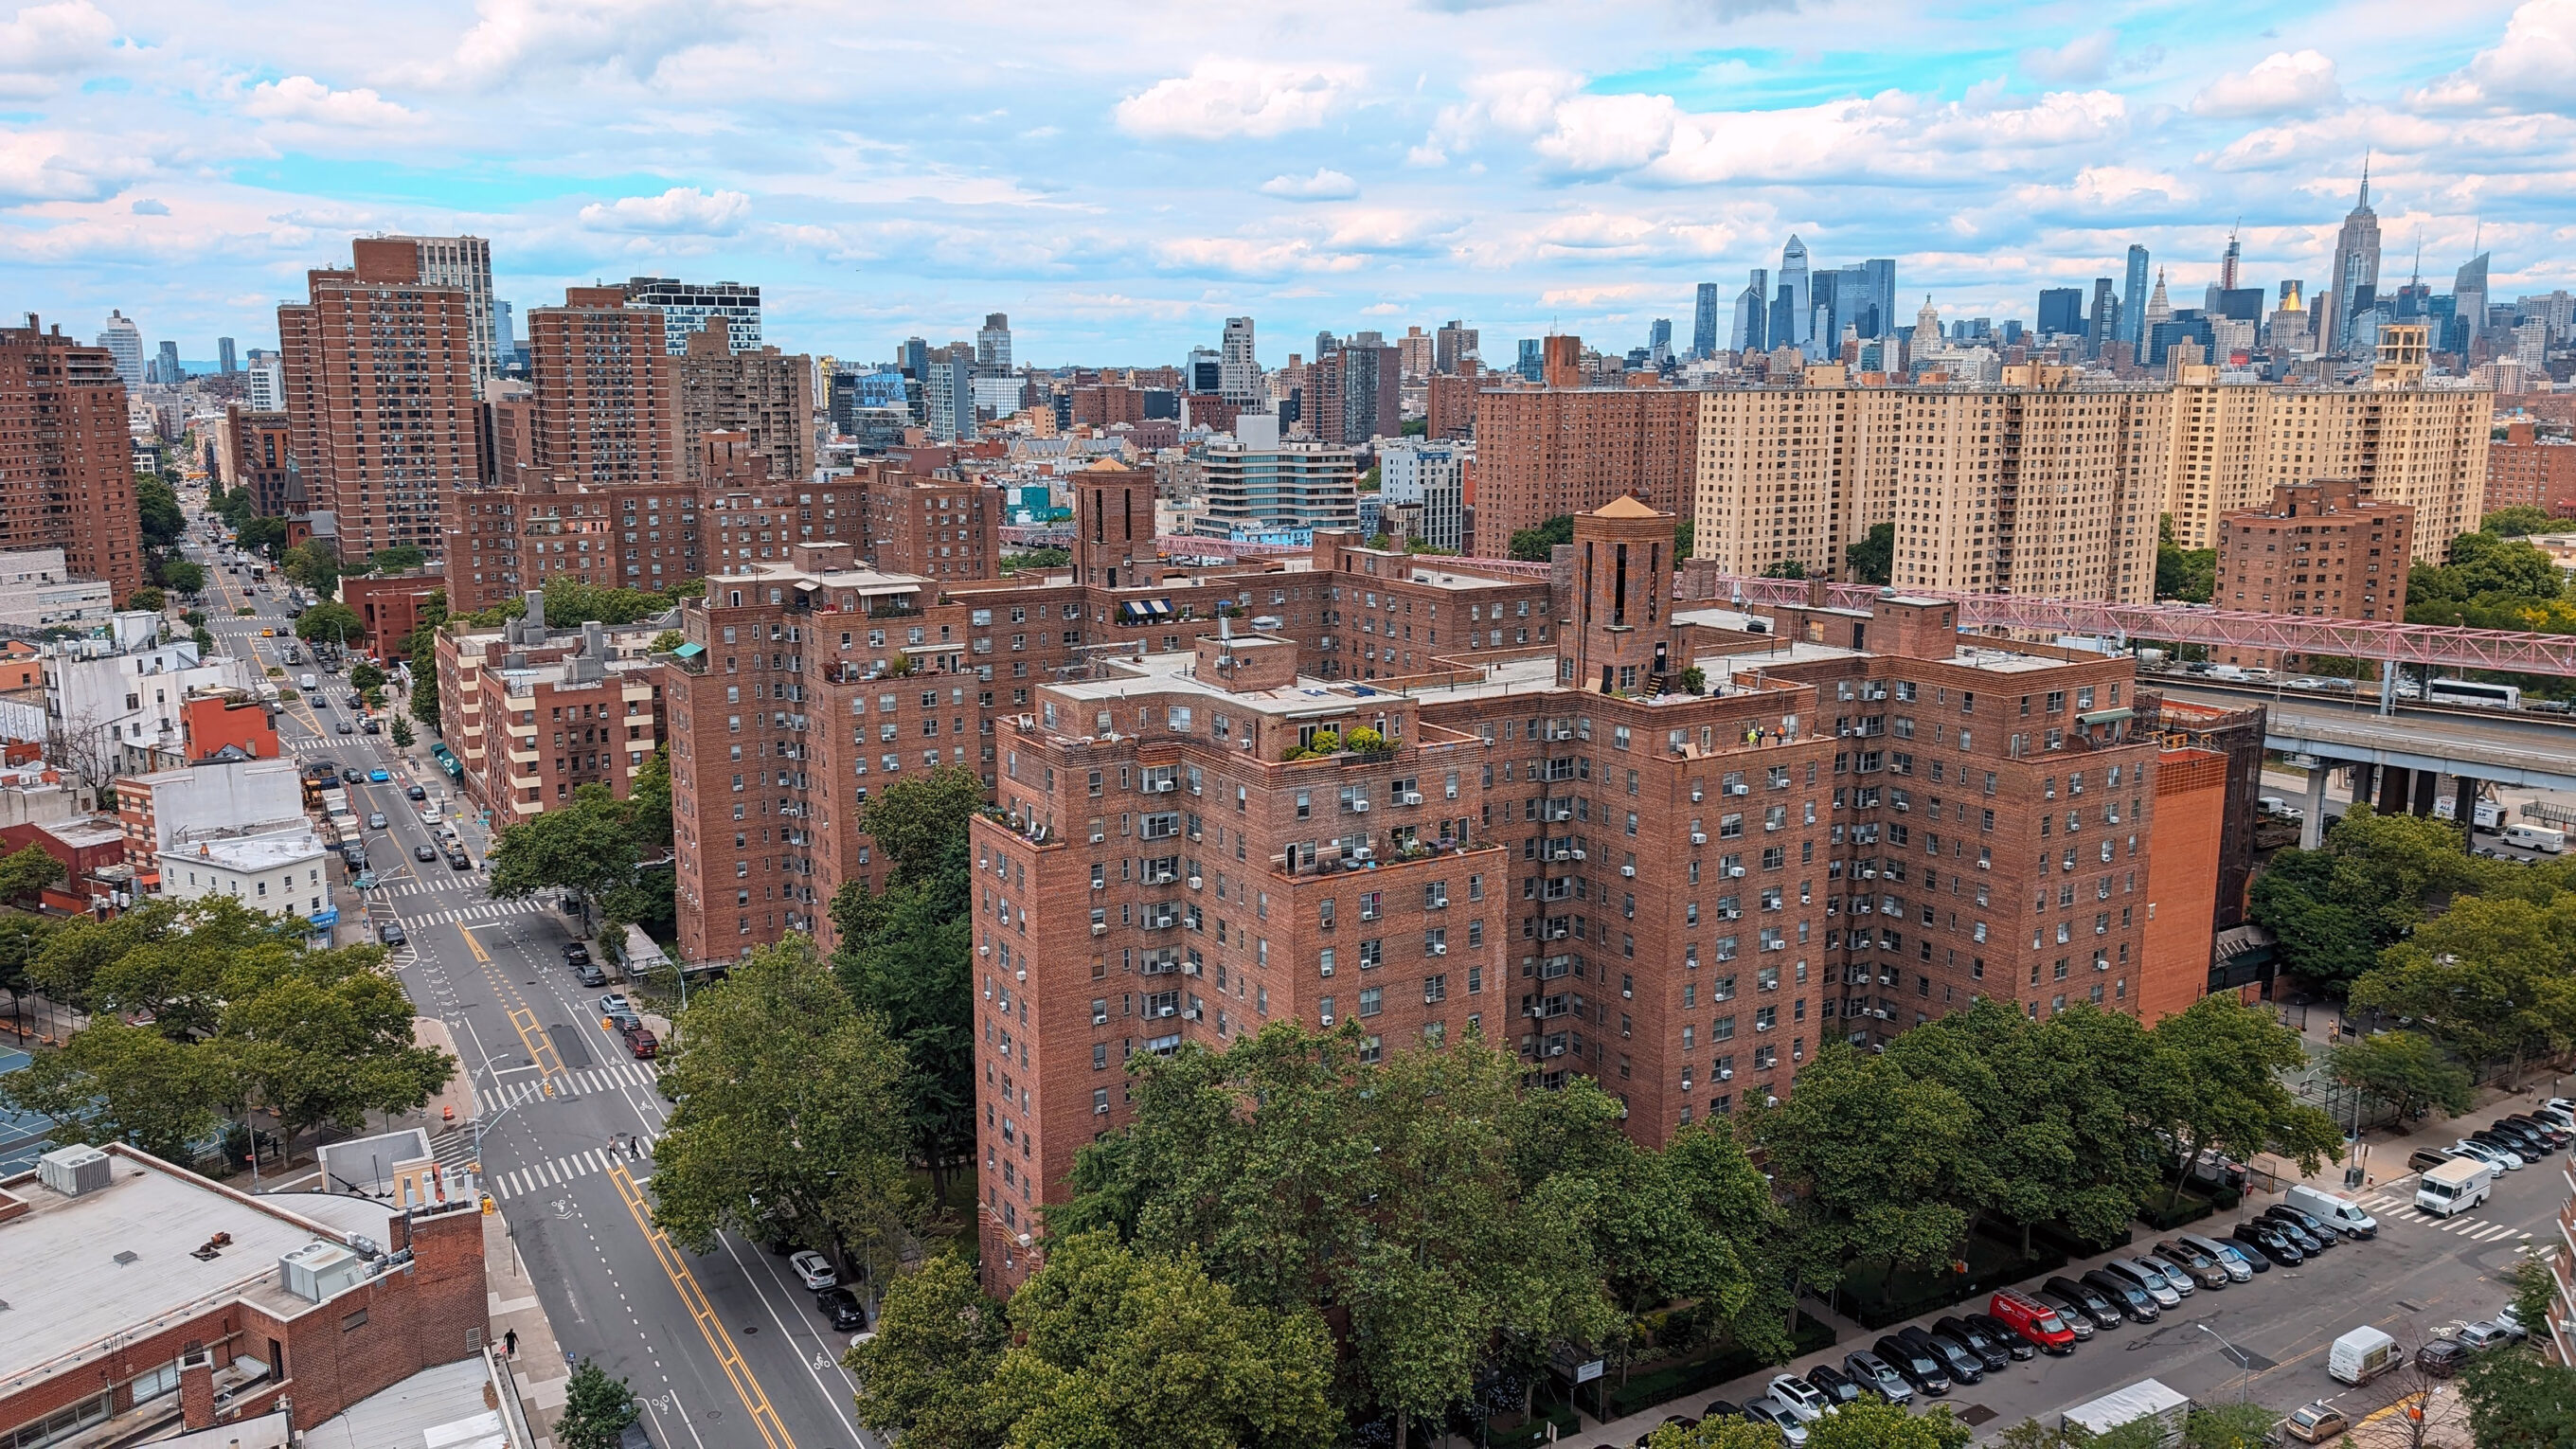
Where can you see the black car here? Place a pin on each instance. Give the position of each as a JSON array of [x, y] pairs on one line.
[[424, 853], [2132, 1300], [2091, 1302], [2002, 1334], [391, 933], [2292, 1224], [1917, 1367], [576, 952], [414, 792], [2539, 1143], [1990, 1352], [844, 1307], [2266, 1237], [2486, 1137], [2442, 1357], [459, 860], [2550, 1132], [352, 777], [2077, 1321], [1833, 1383], [1721, 1409], [1962, 1366]]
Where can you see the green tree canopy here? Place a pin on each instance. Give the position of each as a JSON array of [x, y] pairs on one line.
[[313, 565], [788, 1118], [597, 1409], [156, 505], [2335, 908], [2489, 979], [2517, 521], [147, 597], [2214, 1081], [928, 1373], [334, 621], [184, 576], [26, 871], [2518, 1400], [586, 847], [1873, 559], [2405, 1069], [396, 559], [1537, 545], [1870, 1423]]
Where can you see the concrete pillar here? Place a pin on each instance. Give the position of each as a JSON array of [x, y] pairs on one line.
[[2312, 825], [2464, 807], [2365, 781], [2428, 786], [2395, 784]]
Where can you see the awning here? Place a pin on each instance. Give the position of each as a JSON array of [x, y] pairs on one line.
[[689, 651], [2107, 716]]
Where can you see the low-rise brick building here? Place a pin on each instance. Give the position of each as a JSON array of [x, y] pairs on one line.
[[2324, 548]]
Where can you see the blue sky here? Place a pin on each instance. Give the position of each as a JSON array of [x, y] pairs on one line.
[[1121, 177]]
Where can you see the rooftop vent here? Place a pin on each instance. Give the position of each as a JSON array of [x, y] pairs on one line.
[[73, 1171]]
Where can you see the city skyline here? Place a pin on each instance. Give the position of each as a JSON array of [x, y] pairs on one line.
[[1522, 172]]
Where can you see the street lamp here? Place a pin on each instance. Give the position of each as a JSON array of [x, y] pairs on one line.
[[2243, 1360]]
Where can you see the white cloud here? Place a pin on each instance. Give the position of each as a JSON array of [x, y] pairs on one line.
[[1221, 98], [2081, 61], [633, 36], [146, 206], [2282, 83], [302, 98], [43, 46], [1325, 185], [64, 166], [2534, 65], [680, 211]]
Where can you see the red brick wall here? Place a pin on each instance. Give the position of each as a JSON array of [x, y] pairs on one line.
[[2191, 804], [213, 723]]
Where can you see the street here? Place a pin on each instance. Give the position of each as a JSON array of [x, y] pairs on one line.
[[725, 1349]]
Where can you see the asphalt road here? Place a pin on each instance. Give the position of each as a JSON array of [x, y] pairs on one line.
[[726, 1349]]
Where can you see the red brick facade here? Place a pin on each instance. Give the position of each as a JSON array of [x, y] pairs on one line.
[[2527, 470], [66, 465], [1542, 452]]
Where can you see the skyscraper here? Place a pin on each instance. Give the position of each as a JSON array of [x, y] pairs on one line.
[[465, 263], [1704, 321], [1659, 341], [1824, 314], [124, 342], [2469, 298], [993, 343], [1204, 372], [225, 362], [1752, 314], [688, 306], [2105, 318], [1881, 272], [380, 396], [2356, 266], [2133, 298], [2227, 264], [605, 408], [1531, 363], [1451, 345], [170, 373], [1793, 283], [1239, 370], [2061, 311]]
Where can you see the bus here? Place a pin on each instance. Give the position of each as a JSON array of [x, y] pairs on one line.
[[2474, 693]]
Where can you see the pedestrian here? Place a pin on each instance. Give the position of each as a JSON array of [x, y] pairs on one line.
[[510, 1343]]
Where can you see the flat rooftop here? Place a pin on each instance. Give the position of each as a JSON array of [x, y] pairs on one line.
[[253, 852], [78, 1272]]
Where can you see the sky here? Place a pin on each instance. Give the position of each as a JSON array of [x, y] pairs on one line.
[[1121, 177]]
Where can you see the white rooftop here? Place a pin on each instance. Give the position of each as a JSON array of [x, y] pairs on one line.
[[437, 1408], [249, 853]]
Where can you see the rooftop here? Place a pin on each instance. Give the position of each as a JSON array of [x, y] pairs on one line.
[[77, 1272], [446, 1401], [251, 852]]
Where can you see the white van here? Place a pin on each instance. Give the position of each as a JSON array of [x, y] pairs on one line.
[[2454, 1187], [2362, 1355], [2334, 1210], [2536, 837], [308, 681]]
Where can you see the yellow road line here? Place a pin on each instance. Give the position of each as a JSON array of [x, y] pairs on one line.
[[745, 1386], [523, 1019]]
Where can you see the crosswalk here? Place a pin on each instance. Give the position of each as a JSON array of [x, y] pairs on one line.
[[562, 1170], [2398, 1207], [454, 1150], [432, 885], [608, 1077], [478, 911]]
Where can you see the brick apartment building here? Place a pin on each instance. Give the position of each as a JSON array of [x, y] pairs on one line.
[[763, 394], [258, 454], [1558, 450], [2322, 548], [605, 411], [946, 530], [146, 1298], [66, 464], [2528, 468], [532, 712], [1679, 895], [380, 397], [390, 606]]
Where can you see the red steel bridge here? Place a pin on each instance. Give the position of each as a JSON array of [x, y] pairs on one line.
[[2430, 646]]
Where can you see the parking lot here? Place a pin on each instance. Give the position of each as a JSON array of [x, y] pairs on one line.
[[2419, 1274]]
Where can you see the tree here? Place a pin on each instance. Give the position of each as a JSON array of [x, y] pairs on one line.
[[334, 621], [2189, 575], [265, 535], [317, 1048], [2230, 1426], [648, 803], [1785, 569], [1876, 1424], [2518, 1400], [586, 848], [908, 957], [185, 577], [1120, 1348], [2214, 1081], [2487, 979], [787, 1123], [25, 872], [1693, 680], [363, 675], [2517, 521], [1537, 545], [2535, 1289], [597, 1409], [312, 564], [926, 1374], [666, 641], [156, 507], [1720, 1431], [21, 938], [919, 821], [396, 559], [2335, 908], [2406, 1070], [402, 733], [117, 1083], [1873, 559], [147, 598]]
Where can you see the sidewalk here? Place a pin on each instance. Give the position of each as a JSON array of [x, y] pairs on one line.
[[539, 1368]]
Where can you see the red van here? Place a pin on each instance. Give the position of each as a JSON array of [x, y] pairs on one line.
[[2033, 1320]]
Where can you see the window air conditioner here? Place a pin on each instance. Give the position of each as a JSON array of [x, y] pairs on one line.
[[1359, 807], [1726, 1074], [1439, 948], [1735, 870], [1627, 870], [1738, 789], [1100, 928], [1699, 837]]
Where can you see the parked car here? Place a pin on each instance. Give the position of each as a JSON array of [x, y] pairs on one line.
[[1920, 1368], [615, 1004], [2076, 1320], [2510, 1323], [2528, 1140], [812, 1268], [1833, 1383], [2266, 1238], [2425, 1157], [2479, 1337], [2558, 1133], [1771, 1412], [2489, 1149], [843, 1308], [641, 1041], [589, 974], [2147, 1280], [2035, 1321], [2317, 1423], [2004, 1336], [459, 860], [1721, 1409], [1876, 1375], [576, 951], [2442, 1357], [2136, 1302], [2177, 1257], [2101, 1307], [374, 726], [1799, 1397], [1990, 1353], [2313, 1239], [1959, 1365]]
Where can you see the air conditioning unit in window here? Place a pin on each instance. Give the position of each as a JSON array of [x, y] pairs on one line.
[[1627, 870], [1438, 948], [1557, 1050], [1359, 807], [1738, 789], [1696, 792], [1735, 870], [1100, 928], [1578, 853], [1326, 1018], [1412, 797], [1194, 882], [1699, 837], [1360, 852], [1099, 1109], [1730, 914], [1726, 1074]]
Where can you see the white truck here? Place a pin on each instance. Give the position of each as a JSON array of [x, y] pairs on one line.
[[2362, 1355], [2455, 1186], [308, 681], [2542, 838], [2489, 817], [2147, 1399]]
